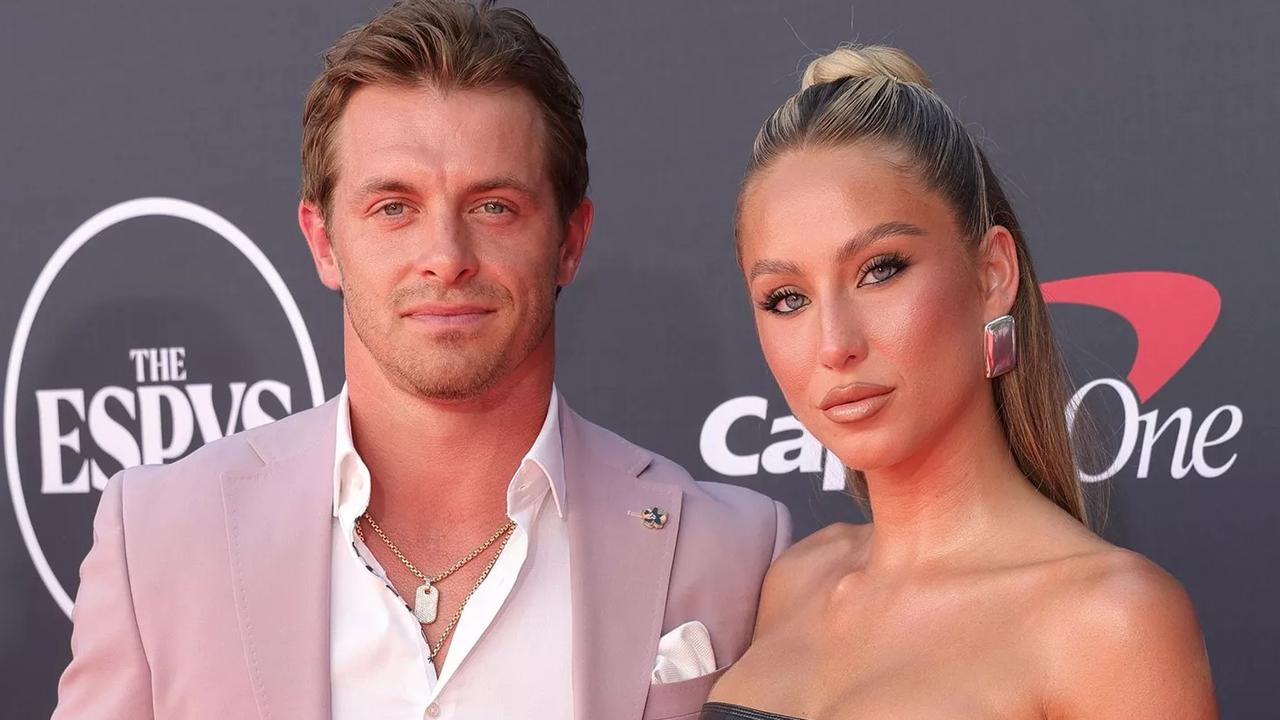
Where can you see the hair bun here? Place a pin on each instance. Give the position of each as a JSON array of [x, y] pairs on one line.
[[865, 62]]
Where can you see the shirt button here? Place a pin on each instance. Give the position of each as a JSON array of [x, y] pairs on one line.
[[433, 710]]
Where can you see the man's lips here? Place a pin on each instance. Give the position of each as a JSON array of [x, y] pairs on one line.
[[855, 401], [442, 314]]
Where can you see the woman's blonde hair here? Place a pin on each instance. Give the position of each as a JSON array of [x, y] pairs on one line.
[[880, 95]]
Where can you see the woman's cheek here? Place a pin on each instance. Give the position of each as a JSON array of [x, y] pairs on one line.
[[790, 354], [936, 343]]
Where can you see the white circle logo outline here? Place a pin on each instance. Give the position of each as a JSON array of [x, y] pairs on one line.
[[120, 212]]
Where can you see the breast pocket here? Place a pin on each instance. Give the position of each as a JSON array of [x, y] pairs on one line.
[[680, 700]]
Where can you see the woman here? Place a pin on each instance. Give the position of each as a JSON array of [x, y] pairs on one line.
[[897, 307]]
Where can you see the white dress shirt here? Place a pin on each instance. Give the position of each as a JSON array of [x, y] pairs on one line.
[[510, 654]]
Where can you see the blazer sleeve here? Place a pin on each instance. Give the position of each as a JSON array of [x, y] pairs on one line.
[[108, 677], [782, 538]]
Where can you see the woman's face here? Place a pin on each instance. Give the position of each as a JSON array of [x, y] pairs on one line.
[[869, 302]]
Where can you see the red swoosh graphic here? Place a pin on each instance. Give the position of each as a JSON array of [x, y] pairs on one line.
[[1171, 313]]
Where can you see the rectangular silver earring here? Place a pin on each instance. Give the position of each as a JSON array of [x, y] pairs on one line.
[[1001, 345]]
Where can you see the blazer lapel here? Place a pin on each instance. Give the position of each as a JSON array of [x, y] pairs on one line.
[[279, 524], [619, 569]]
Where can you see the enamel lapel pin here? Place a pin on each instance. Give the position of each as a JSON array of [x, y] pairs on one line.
[[654, 518]]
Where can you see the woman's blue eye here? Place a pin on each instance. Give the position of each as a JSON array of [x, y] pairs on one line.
[[882, 273], [882, 269], [785, 303]]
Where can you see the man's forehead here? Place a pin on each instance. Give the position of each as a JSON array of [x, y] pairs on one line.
[[484, 131], [425, 114]]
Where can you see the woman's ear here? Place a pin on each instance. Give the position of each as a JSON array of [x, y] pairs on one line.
[[998, 271]]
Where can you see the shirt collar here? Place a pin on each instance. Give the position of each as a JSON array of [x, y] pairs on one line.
[[547, 452], [351, 476]]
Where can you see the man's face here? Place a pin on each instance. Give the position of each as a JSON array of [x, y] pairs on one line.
[[444, 235]]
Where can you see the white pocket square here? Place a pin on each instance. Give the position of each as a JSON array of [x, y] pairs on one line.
[[684, 654]]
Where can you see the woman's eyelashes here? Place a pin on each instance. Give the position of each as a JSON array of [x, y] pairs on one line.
[[878, 270], [784, 301], [882, 268]]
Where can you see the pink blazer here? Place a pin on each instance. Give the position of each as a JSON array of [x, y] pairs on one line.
[[206, 593]]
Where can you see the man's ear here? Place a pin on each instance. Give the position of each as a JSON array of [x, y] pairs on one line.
[[311, 220], [998, 271], [577, 231]]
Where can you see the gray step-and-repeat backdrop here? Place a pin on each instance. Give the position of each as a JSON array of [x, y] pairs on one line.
[[155, 293]]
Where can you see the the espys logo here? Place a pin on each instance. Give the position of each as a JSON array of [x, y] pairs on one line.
[[1171, 313], [152, 340]]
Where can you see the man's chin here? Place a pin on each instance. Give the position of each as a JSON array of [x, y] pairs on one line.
[[450, 382]]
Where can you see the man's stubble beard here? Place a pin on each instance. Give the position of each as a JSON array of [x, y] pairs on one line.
[[447, 371]]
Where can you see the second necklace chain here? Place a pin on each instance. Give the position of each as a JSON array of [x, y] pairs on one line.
[[427, 597]]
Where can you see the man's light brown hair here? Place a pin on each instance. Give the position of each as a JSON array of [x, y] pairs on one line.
[[451, 45]]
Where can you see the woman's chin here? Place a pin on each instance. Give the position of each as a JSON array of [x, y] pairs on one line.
[[866, 450], [863, 459]]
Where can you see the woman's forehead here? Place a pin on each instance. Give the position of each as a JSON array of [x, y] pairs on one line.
[[817, 200]]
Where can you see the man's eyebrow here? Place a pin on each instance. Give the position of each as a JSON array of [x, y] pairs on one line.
[[501, 182], [378, 185]]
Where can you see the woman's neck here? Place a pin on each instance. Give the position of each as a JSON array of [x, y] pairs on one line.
[[948, 497]]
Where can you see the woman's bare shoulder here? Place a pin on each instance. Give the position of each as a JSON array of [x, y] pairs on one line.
[[811, 563], [831, 544], [1122, 638], [1104, 582]]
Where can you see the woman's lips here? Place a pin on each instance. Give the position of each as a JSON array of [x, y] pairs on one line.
[[854, 402]]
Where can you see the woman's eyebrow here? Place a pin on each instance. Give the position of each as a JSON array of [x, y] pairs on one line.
[[861, 240]]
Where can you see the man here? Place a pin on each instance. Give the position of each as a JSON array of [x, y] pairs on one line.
[[446, 538]]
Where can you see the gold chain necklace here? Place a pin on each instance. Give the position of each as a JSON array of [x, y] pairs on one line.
[[427, 598]]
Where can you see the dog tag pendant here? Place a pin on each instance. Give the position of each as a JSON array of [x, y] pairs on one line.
[[425, 602]]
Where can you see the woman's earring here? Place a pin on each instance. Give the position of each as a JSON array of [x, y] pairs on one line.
[[999, 340]]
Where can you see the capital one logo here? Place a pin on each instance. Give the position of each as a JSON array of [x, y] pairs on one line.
[[1171, 314], [156, 326]]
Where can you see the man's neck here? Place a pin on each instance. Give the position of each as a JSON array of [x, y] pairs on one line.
[[453, 459]]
